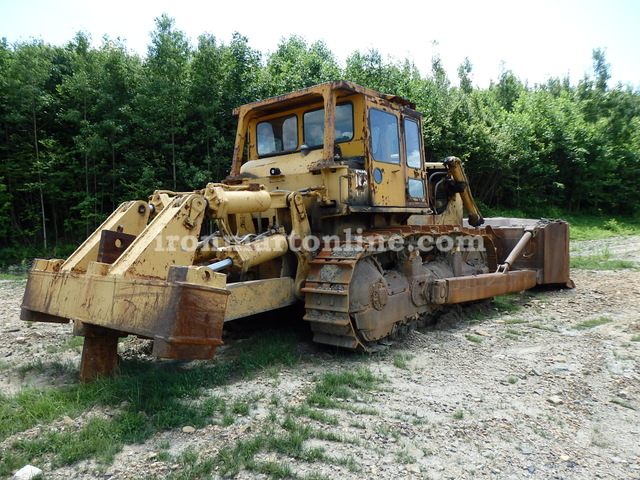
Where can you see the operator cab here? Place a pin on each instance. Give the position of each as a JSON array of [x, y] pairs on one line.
[[363, 147]]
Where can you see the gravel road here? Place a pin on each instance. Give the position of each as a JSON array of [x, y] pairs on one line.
[[550, 391]]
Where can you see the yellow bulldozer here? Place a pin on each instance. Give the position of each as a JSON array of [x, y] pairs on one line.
[[330, 202]]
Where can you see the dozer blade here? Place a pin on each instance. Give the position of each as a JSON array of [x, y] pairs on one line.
[[128, 278], [184, 314]]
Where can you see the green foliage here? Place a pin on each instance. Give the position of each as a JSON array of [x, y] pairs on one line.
[[592, 323], [86, 128], [342, 385], [145, 399]]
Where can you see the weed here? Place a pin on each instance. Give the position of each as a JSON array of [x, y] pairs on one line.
[[544, 327], [473, 338], [342, 385], [289, 441], [540, 432], [635, 338], [400, 360], [405, 457], [459, 415], [274, 469], [509, 303], [318, 415], [388, 432], [512, 380], [592, 323], [515, 321], [622, 356]]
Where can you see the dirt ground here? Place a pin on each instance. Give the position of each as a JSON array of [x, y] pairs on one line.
[[532, 394]]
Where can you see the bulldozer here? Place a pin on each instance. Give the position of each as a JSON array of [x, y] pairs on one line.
[[330, 203]]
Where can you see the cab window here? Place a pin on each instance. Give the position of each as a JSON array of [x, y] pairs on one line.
[[415, 188], [412, 143], [313, 125], [277, 135], [385, 145]]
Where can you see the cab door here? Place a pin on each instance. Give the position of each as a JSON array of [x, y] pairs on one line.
[[386, 166], [415, 185]]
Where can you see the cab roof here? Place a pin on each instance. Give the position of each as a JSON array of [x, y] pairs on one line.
[[313, 94]]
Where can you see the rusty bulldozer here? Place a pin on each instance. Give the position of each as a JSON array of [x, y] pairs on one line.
[[329, 202]]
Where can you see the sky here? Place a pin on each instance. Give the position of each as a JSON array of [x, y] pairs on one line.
[[535, 39]]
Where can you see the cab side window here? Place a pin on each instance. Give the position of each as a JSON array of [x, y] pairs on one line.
[[277, 135], [412, 143], [313, 125], [385, 144]]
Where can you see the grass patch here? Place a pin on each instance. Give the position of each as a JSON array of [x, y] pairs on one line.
[[635, 338], [602, 260], [400, 360], [515, 321], [288, 440], [510, 302], [405, 457], [582, 226], [317, 415], [588, 227], [473, 338], [544, 327], [592, 323], [345, 385], [15, 277], [147, 397]]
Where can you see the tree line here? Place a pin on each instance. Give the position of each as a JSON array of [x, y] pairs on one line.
[[85, 128]]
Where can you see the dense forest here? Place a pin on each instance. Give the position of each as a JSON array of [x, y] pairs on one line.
[[85, 128]]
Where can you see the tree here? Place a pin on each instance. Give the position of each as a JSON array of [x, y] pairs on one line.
[[29, 108], [211, 139], [464, 71], [295, 65], [161, 103]]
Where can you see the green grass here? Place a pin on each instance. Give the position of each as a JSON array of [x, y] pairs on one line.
[[313, 414], [583, 226], [146, 396], [592, 323], [601, 260], [510, 302], [400, 360], [591, 227], [473, 338], [344, 385], [288, 440], [17, 277], [405, 457], [544, 327], [635, 338], [515, 321]]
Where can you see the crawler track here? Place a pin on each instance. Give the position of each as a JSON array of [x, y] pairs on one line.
[[360, 292]]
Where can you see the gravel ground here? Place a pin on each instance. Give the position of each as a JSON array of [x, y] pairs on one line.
[[482, 394]]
